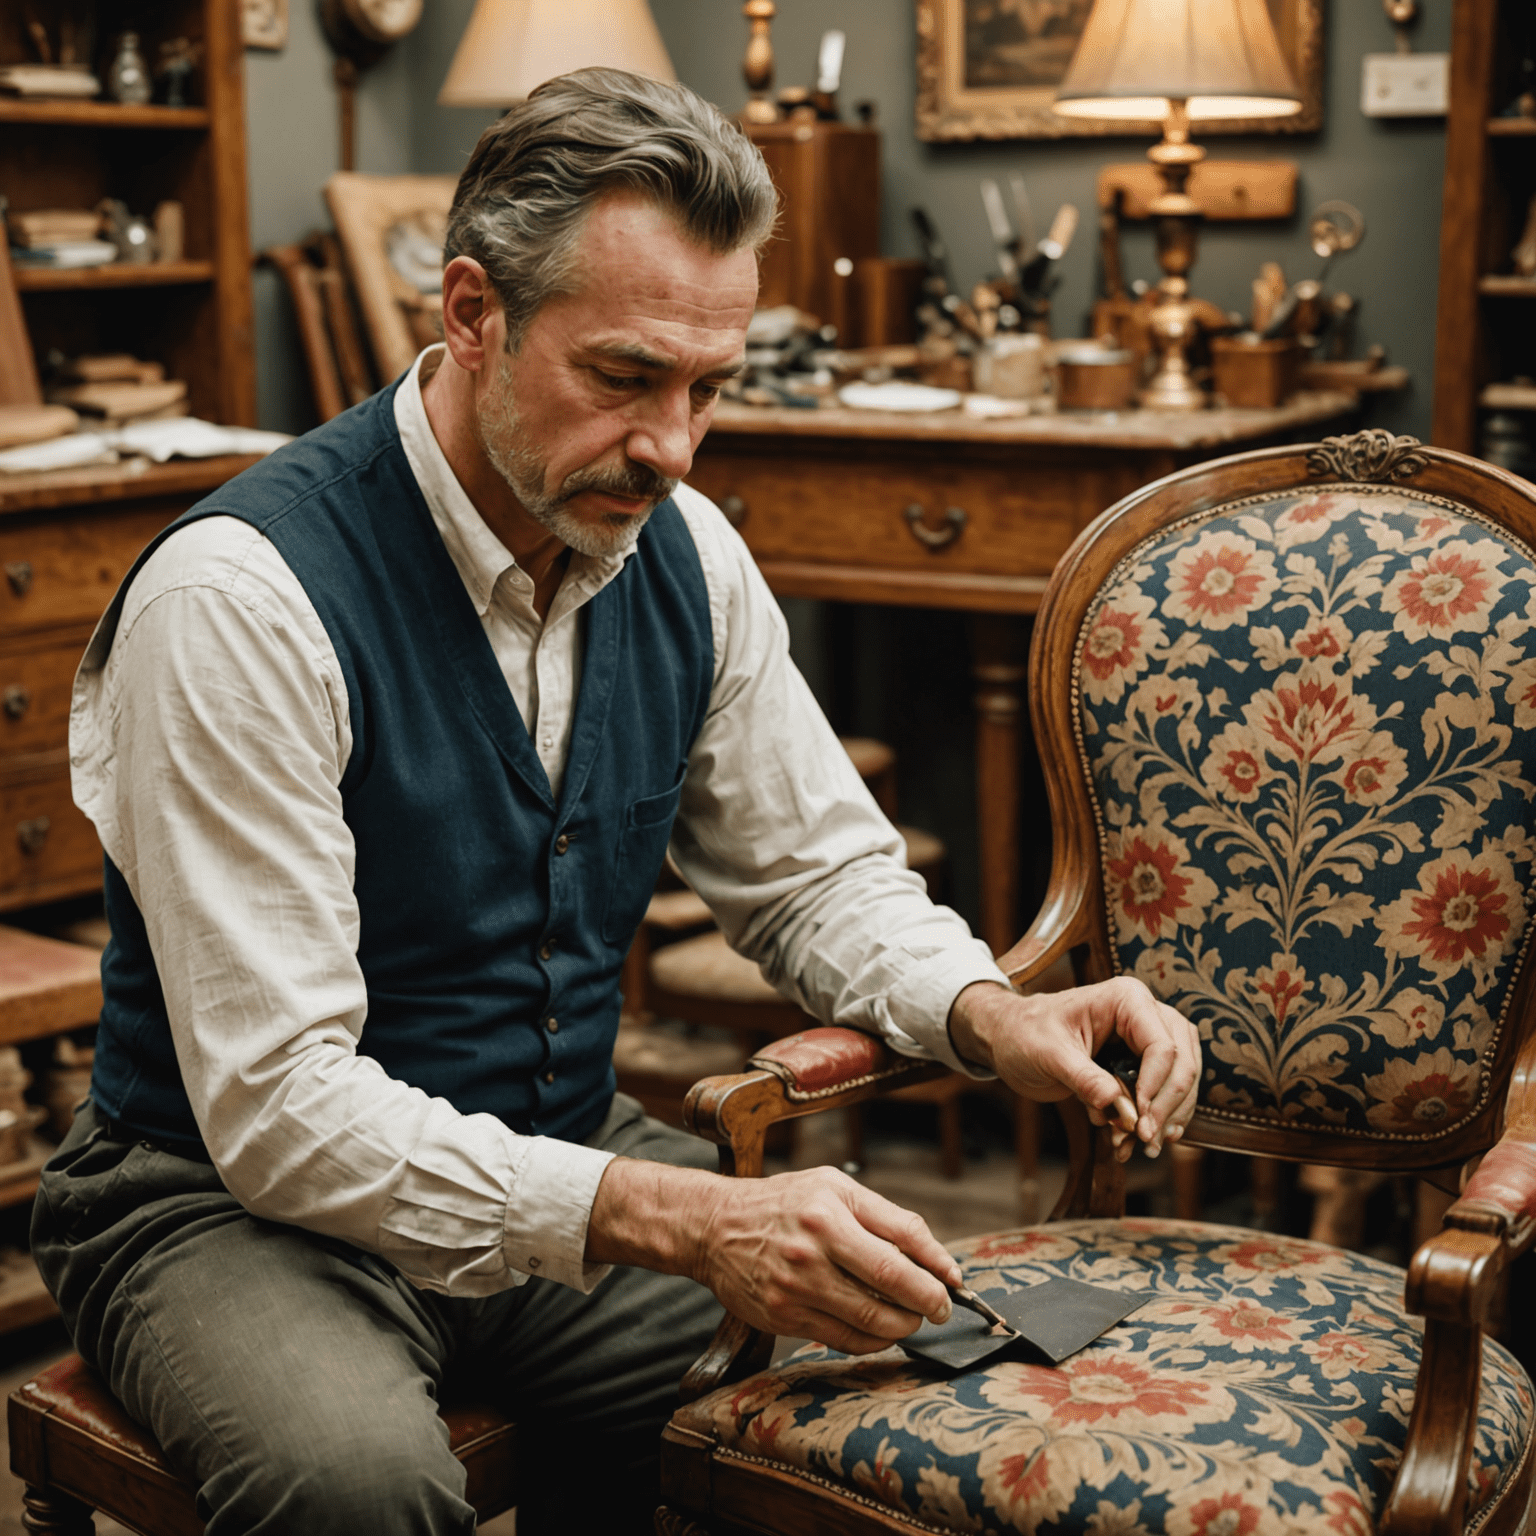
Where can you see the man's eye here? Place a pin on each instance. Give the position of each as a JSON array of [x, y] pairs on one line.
[[707, 392], [621, 380]]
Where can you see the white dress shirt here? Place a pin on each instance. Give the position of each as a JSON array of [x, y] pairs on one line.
[[207, 745]]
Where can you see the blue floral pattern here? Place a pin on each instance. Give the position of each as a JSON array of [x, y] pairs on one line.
[[1309, 722], [1266, 1389]]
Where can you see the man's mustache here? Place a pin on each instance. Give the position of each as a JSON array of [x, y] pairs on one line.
[[635, 482]]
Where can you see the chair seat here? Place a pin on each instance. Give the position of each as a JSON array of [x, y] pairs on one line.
[[69, 1433], [658, 1051], [708, 967], [1266, 1388]]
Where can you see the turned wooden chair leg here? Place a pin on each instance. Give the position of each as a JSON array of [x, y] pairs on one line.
[[951, 1147], [1187, 1169], [47, 1512]]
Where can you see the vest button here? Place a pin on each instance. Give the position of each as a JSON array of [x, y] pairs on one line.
[[552, 1025], [546, 949], [562, 843], [549, 1077]]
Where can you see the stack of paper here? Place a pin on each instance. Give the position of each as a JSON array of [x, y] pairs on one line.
[[49, 80], [124, 401], [67, 253], [50, 226]]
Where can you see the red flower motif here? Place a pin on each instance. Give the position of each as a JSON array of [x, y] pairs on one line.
[[1280, 983], [1430, 1099], [1024, 1478], [1463, 914], [1228, 1515], [1152, 884], [1019, 1245], [1310, 715], [1248, 1324], [1451, 588], [1318, 510], [1114, 643], [1319, 640], [1219, 581], [1274, 1256], [1104, 1387], [1346, 1514], [1431, 527], [1366, 777]]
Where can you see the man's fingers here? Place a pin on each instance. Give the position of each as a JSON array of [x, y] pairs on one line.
[[898, 1245]]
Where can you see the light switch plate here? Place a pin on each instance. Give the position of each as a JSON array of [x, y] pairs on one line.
[[1406, 85]]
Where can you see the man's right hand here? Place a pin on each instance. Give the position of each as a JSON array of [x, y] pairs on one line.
[[812, 1255]]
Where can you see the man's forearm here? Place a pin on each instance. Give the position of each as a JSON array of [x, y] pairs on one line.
[[651, 1215]]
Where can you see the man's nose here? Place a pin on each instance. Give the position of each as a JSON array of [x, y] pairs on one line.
[[663, 439]]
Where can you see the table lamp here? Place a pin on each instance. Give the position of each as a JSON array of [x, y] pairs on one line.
[[511, 46], [1179, 61]]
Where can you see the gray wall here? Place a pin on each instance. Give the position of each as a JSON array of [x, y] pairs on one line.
[[1390, 170]]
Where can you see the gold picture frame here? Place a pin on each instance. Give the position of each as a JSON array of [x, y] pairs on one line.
[[988, 69], [264, 24]]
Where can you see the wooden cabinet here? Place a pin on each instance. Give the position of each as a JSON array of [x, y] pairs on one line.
[[828, 176], [66, 542], [1486, 328], [193, 315]]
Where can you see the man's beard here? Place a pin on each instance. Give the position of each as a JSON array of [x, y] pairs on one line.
[[615, 533]]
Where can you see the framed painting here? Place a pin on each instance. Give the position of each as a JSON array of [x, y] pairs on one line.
[[989, 69], [264, 23]]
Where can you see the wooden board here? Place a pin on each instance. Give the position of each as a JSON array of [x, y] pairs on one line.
[[46, 986], [18, 368], [1224, 189]]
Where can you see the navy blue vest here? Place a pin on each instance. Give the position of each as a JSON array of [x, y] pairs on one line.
[[487, 909]]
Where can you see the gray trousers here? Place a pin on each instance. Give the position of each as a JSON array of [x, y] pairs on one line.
[[295, 1378]]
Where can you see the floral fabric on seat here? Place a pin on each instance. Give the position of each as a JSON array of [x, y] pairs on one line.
[[1309, 726], [1264, 1392]]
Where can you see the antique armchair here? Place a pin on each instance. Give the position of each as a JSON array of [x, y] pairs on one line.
[[1286, 705]]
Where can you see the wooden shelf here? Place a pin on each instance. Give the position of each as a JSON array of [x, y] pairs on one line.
[[1503, 285], [116, 274], [1511, 127], [99, 114], [24, 1299], [18, 1181], [1508, 397]]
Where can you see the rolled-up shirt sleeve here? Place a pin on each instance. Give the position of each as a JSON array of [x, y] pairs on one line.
[[780, 837], [207, 746]]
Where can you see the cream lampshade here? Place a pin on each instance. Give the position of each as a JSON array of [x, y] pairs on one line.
[[510, 46], [1177, 61]]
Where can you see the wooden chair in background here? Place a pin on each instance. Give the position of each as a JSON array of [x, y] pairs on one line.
[[1286, 707]]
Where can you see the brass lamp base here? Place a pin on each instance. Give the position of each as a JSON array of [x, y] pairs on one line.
[[1173, 323]]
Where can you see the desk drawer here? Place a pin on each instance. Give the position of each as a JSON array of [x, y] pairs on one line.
[[65, 570], [35, 687], [1012, 520], [47, 847]]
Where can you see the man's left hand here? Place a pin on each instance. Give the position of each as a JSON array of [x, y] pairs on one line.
[[1043, 1044]]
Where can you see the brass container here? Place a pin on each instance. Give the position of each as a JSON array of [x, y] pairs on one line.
[[1095, 379], [1251, 374]]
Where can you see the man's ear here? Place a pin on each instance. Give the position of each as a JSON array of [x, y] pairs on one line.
[[473, 325]]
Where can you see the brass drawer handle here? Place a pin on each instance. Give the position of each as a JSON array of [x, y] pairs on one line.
[[936, 538], [14, 701], [32, 834], [19, 574], [735, 510]]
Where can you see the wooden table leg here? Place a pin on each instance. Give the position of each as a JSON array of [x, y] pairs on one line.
[[998, 667]]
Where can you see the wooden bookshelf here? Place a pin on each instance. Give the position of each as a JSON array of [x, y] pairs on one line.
[[116, 274], [192, 315], [1485, 332], [101, 114]]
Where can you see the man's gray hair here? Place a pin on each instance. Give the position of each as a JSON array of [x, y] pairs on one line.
[[536, 173]]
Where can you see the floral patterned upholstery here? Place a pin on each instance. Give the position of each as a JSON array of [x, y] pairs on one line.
[[1266, 1389], [1309, 724]]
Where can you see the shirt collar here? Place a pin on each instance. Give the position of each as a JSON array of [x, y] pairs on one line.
[[480, 558]]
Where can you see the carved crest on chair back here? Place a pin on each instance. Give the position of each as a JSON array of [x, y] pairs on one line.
[[1307, 720], [1367, 456]]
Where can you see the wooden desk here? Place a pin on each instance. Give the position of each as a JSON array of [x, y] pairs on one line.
[[945, 511]]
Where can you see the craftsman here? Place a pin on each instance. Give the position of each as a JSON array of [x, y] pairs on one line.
[[386, 742]]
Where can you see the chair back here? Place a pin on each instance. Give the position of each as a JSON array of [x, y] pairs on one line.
[[1286, 704]]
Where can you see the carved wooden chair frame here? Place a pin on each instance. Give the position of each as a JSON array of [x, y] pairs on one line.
[[1456, 1280]]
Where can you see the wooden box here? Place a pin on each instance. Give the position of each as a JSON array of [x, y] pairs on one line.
[[1251, 374]]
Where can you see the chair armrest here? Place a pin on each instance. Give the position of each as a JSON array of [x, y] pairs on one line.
[[802, 1074], [1456, 1282]]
